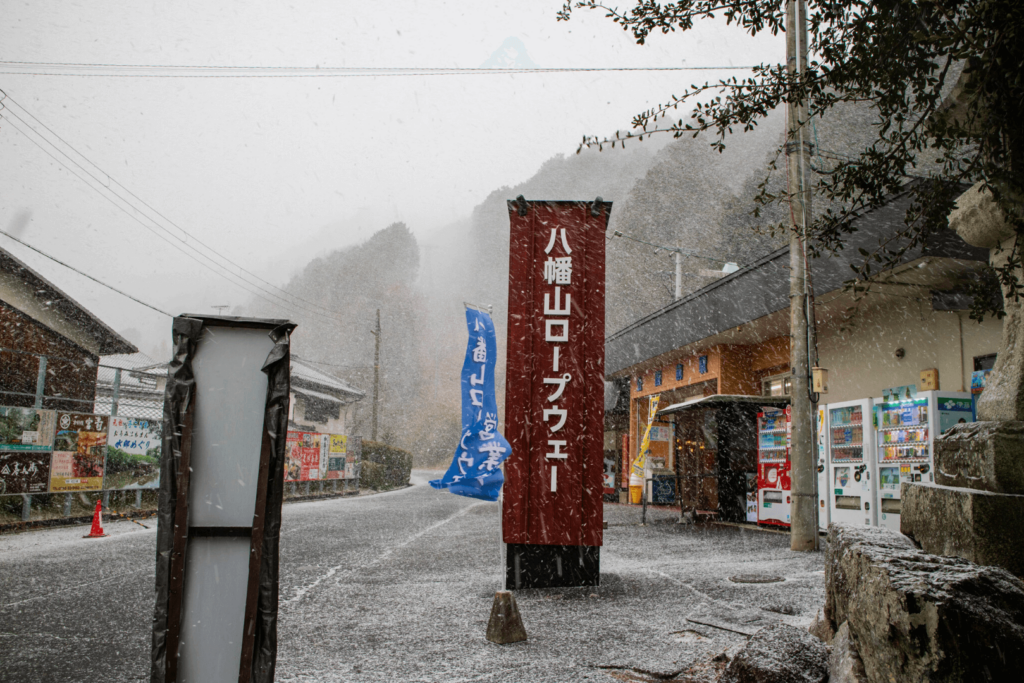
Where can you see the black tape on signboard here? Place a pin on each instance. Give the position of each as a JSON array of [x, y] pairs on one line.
[[259, 639]]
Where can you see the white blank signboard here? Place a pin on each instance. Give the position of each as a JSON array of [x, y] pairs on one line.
[[230, 401], [231, 395], [214, 610]]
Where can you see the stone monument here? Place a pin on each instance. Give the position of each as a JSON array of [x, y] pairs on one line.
[[975, 508]]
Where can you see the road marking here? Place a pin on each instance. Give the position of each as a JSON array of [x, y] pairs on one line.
[[70, 588], [304, 590]]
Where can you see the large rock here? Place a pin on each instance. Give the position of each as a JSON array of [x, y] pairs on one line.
[[979, 526], [920, 617], [844, 662], [779, 654], [982, 455]]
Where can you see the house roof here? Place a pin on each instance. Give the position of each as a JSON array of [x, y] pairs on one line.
[[48, 296], [303, 372], [762, 288]]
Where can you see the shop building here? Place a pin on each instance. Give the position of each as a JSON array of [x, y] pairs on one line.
[[731, 339]]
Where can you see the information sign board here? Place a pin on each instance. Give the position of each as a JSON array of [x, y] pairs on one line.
[[555, 377]]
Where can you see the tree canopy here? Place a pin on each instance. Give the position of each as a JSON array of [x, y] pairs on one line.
[[942, 76]]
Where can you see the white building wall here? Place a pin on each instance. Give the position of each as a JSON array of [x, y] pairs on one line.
[[861, 360]]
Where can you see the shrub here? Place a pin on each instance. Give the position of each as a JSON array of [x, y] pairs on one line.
[[384, 467]]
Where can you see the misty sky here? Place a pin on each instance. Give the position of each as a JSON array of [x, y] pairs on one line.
[[277, 168]]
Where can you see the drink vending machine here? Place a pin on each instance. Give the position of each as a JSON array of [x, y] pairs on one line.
[[773, 484], [906, 429], [852, 463], [824, 508]]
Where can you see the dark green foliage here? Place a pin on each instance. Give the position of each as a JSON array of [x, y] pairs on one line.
[[384, 467], [901, 57]]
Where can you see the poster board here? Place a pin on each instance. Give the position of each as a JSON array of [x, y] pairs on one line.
[[133, 453], [79, 452], [333, 456], [26, 443], [302, 456]]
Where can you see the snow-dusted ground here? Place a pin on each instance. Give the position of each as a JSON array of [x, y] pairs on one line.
[[398, 587]]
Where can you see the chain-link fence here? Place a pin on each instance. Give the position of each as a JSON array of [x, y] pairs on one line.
[[47, 382], [33, 380]]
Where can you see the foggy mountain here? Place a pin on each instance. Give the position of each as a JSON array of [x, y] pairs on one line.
[[668, 192]]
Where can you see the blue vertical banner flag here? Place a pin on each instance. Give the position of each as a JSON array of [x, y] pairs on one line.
[[475, 470]]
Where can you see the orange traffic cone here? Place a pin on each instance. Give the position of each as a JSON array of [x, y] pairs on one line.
[[97, 523]]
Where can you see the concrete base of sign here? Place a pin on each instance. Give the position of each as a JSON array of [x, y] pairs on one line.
[[505, 625], [979, 526], [551, 566]]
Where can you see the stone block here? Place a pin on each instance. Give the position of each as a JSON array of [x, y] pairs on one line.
[[979, 526], [988, 456], [821, 628], [844, 662], [505, 625], [779, 654], [914, 616]]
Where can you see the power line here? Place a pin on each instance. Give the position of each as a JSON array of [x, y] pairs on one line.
[[196, 71], [83, 274], [150, 228], [287, 305], [151, 208]]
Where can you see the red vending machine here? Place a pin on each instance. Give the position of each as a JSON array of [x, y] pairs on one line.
[[773, 485]]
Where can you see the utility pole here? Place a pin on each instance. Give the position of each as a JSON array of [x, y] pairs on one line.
[[804, 514], [679, 274], [376, 375]]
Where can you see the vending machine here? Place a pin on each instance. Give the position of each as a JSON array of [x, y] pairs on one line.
[[824, 505], [773, 484], [906, 428], [851, 455]]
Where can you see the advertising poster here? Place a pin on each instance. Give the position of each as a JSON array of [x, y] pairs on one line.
[[79, 452], [133, 453], [332, 460], [302, 456], [26, 429], [24, 472], [953, 411]]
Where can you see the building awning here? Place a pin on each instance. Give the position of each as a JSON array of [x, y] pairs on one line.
[[718, 400]]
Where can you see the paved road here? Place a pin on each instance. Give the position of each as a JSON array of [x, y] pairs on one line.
[[398, 587]]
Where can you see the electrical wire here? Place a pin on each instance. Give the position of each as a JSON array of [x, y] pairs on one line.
[[194, 71], [671, 249], [6, 96], [287, 304], [84, 274]]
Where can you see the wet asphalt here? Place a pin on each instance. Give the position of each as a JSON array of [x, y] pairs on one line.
[[398, 586]]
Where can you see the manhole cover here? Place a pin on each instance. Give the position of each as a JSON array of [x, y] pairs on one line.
[[756, 578]]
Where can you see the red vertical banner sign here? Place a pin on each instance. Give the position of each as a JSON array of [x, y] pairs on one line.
[[554, 395]]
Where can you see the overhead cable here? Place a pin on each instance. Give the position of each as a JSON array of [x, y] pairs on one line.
[[198, 71], [84, 274], [241, 283], [8, 98]]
